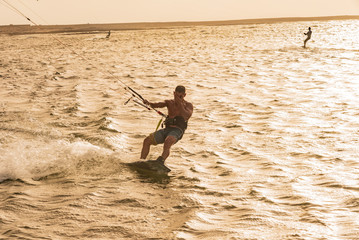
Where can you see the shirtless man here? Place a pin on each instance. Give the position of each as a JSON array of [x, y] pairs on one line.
[[179, 112], [309, 35]]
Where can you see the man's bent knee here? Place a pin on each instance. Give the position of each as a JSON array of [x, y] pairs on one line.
[[149, 140]]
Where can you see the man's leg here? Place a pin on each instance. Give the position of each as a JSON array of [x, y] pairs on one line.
[[170, 140], [147, 142]]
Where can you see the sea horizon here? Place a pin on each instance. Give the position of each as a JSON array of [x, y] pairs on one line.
[[19, 29]]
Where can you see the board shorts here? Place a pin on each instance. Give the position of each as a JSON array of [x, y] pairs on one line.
[[160, 135]]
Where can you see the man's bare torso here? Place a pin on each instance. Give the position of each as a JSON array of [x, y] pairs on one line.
[[173, 109]]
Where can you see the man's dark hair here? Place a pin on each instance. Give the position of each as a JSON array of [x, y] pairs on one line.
[[180, 89]]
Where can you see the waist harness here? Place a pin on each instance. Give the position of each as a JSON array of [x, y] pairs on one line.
[[176, 121]]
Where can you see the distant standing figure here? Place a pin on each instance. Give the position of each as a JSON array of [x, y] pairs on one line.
[[309, 35], [108, 34]]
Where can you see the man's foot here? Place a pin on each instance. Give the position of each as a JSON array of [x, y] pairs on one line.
[[160, 159]]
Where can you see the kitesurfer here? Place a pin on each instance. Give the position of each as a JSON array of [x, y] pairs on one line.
[[179, 112], [108, 34], [309, 35]]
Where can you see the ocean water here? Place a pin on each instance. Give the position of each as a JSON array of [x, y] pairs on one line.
[[271, 151]]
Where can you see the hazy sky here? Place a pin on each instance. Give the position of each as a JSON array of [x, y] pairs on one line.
[[116, 11]]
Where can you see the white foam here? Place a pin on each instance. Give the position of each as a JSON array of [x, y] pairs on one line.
[[25, 159]]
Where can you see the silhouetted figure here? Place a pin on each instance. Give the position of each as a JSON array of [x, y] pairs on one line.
[[309, 35], [108, 34]]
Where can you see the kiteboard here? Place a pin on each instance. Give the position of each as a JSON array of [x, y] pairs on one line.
[[150, 166]]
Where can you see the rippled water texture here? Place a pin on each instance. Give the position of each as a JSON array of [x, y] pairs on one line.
[[271, 151]]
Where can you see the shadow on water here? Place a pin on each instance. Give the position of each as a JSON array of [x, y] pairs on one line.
[[150, 176], [154, 178]]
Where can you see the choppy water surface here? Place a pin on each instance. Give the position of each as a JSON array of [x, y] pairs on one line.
[[271, 151]]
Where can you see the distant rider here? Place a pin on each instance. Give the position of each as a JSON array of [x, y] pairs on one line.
[[309, 35], [108, 34], [179, 112]]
